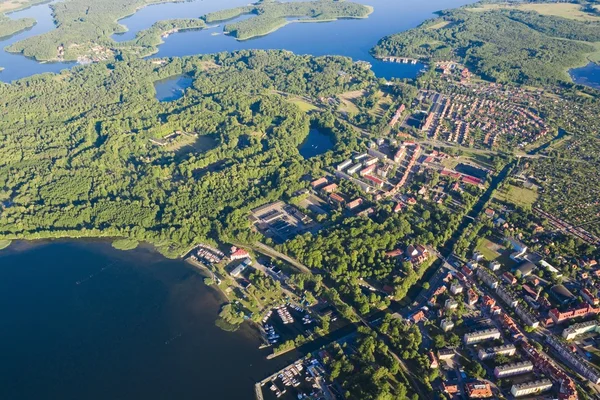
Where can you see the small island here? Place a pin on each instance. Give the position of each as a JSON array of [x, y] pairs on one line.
[[272, 15]]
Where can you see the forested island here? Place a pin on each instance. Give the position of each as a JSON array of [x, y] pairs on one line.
[[272, 15]]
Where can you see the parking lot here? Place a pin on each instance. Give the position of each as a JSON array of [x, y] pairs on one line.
[[280, 221]]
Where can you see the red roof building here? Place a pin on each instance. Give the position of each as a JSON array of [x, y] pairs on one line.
[[238, 254], [479, 390]]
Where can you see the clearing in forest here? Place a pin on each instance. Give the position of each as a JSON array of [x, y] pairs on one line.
[[348, 99]]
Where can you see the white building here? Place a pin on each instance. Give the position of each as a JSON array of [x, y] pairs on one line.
[[447, 324], [491, 352], [451, 304], [456, 288], [503, 371], [481, 336], [575, 330], [528, 388]]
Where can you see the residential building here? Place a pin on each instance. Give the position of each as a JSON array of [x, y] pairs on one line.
[[329, 188], [495, 265], [451, 304], [344, 165], [529, 388], [354, 169], [481, 336], [581, 311], [491, 352], [447, 324], [509, 278], [580, 365], [589, 297], [456, 288], [319, 182], [354, 204], [472, 297], [433, 362], [502, 371], [575, 330], [528, 318], [506, 296], [446, 354], [478, 390], [487, 277], [238, 254]]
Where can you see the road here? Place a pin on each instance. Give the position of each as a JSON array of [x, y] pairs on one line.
[[271, 252]]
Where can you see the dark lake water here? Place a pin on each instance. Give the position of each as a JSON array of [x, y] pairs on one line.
[[315, 143], [173, 88], [353, 38], [81, 320], [588, 75]]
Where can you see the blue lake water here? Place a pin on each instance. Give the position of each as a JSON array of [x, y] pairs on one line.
[[81, 320], [171, 89], [588, 75], [315, 143], [352, 37]]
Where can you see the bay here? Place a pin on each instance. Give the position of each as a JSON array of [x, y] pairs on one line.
[[81, 320]]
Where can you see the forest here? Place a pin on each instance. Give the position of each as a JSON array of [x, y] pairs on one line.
[[272, 15], [77, 160], [10, 26], [500, 45]]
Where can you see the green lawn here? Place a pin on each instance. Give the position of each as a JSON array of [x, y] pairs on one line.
[[488, 249], [517, 195]]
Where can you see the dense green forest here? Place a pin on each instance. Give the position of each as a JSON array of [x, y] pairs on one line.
[[11, 26], [500, 45], [271, 15], [77, 160]]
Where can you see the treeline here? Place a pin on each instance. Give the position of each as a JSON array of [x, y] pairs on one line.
[[501, 45], [77, 160]]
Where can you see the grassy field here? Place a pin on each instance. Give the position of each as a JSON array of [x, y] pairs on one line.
[[303, 104], [516, 195], [488, 249], [347, 100], [564, 10], [384, 103], [438, 25]]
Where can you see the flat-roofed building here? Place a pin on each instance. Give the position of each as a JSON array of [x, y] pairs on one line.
[[481, 336], [447, 325], [503, 371], [528, 388], [344, 165], [355, 168], [575, 330], [491, 352]]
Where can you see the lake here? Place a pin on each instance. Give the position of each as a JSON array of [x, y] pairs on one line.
[[315, 143], [173, 88], [588, 75], [348, 37], [81, 320]]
